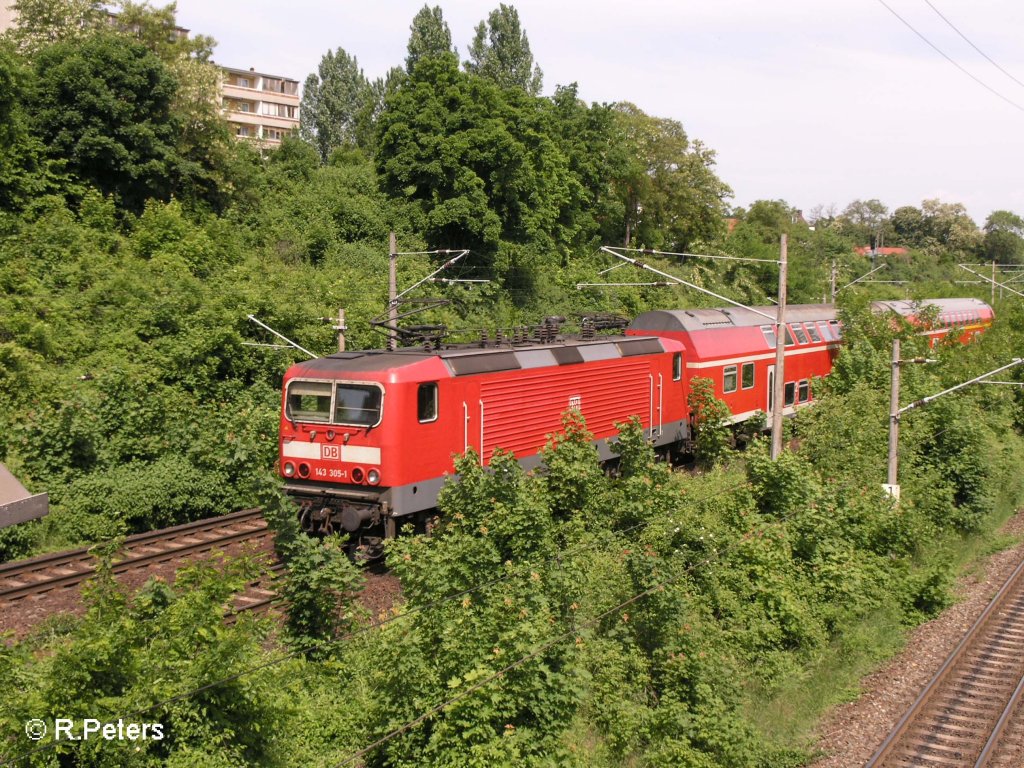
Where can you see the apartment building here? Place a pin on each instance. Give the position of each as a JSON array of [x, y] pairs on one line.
[[260, 107]]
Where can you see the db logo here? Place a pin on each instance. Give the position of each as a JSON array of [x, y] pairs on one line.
[[331, 452]]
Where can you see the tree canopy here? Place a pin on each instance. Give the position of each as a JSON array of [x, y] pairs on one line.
[[336, 102], [1004, 237], [500, 51], [103, 109], [429, 37]]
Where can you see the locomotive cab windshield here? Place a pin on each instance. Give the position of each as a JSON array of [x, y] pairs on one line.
[[357, 404]]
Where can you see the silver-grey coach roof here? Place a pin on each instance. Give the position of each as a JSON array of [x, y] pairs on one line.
[[736, 317]]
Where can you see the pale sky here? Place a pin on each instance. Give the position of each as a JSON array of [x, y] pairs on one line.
[[810, 101]]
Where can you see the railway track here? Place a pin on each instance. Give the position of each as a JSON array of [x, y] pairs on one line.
[[964, 715], [63, 570]]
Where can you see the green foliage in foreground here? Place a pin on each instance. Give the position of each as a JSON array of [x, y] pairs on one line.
[[561, 616]]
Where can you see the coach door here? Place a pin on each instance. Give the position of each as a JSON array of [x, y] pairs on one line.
[[770, 399]]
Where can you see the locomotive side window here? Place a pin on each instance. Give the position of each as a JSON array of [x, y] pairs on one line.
[[790, 392], [677, 366], [729, 379], [426, 402], [357, 405], [309, 401], [804, 393], [748, 375]]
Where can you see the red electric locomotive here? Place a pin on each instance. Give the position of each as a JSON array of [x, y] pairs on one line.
[[367, 438]]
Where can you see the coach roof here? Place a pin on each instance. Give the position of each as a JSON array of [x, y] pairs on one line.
[[735, 317]]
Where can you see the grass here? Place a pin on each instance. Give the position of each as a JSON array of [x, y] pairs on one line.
[[789, 714]]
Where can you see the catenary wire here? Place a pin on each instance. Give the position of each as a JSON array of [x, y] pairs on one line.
[[951, 60], [970, 43]]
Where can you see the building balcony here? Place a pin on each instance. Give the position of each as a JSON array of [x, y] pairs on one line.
[[233, 91]]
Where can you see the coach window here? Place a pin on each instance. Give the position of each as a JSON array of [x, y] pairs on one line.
[[812, 332], [804, 393], [769, 336], [426, 402], [837, 329], [677, 366], [747, 379], [789, 337], [790, 392], [800, 335], [729, 379]]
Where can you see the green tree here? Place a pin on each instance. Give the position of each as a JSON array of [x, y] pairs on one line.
[[951, 227], [103, 109], [710, 422], [157, 29], [429, 37], [21, 173], [1004, 237], [865, 221], [166, 651], [909, 227], [670, 194], [335, 102], [474, 160], [771, 218], [587, 138], [203, 142], [500, 51], [44, 22]]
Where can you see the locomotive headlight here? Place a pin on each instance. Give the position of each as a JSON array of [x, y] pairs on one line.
[[373, 477], [289, 469]]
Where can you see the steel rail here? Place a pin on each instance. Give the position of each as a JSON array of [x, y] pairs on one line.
[[992, 744], [169, 536], [72, 555], [888, 746]]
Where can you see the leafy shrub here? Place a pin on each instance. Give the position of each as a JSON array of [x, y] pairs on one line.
[[709, 419]]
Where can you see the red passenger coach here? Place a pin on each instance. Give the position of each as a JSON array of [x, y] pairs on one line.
[[960, 319], [735, 348], [368, 438]]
